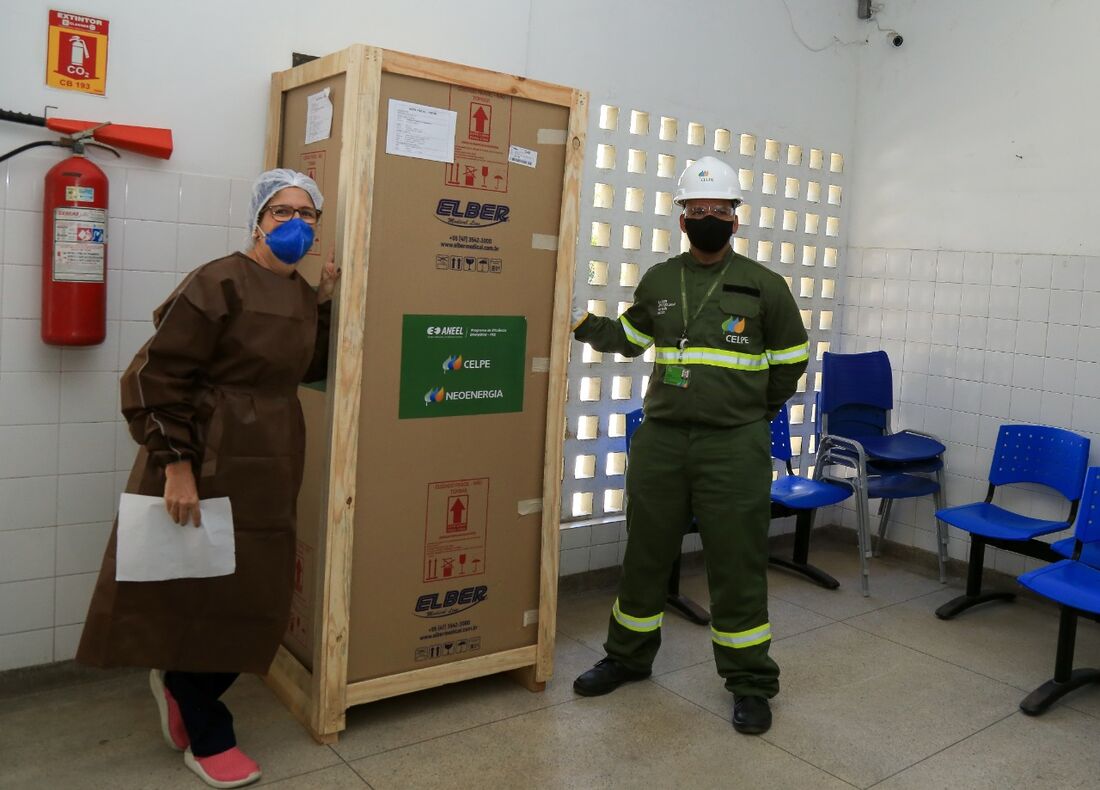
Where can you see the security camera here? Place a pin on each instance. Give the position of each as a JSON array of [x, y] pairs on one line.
[[896, 39]]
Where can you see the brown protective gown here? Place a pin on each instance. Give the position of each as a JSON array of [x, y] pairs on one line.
[[217, 385]]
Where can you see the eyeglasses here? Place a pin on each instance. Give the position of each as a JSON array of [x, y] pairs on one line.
[[283, 213], [720, 211]]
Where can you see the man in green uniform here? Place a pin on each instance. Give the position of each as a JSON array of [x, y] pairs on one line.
[[730, 348]]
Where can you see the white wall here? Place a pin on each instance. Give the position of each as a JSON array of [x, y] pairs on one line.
[[203, 70], [980, 132], [974, 249]]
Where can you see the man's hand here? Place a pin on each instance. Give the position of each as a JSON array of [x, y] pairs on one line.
[[578, 314], [181, 496], [329, 275]]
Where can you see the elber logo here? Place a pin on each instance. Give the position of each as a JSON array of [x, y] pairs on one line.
[[470, 214], [452, 363], [450, 602], [434, 395], [734, 324]]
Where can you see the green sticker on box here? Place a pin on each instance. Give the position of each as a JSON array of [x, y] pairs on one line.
[[455, 365]]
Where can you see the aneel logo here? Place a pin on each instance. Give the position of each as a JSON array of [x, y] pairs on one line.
[[445, 331], [470, 213], [450, 602]]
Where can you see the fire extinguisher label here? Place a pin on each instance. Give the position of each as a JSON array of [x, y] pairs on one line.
[[80, 244], [80, 194]]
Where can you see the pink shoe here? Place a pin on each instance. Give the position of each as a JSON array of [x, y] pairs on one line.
[[231, 768], [171, 721]]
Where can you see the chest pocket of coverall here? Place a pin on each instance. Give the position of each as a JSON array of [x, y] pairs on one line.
[[742, 311]]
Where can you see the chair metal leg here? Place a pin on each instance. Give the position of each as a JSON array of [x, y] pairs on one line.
[[863, 529], [974, 594], [681, 603], [941, 528], [884, 521], [799, 562], [1066, 678]]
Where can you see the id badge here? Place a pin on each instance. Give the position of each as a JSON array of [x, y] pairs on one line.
[[677, 376]]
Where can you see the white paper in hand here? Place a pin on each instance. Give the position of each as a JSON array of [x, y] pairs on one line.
[[152, 547]]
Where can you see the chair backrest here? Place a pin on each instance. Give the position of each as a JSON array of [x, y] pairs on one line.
[[1052, 457], [1088, 515], [781, 435], [633, 420], [856, 380]]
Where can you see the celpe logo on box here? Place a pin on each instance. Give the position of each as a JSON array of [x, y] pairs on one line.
[[470, 213], [456, 362], [450, 602]]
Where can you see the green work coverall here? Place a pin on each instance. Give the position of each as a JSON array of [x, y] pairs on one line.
[[704, 451]]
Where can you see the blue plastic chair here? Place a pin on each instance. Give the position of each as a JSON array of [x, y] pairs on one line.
[[677, 600], [1074, 584], [797, 496], [854, 410], [1051, 457]]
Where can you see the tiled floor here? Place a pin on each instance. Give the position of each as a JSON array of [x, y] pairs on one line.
[[876, 693]]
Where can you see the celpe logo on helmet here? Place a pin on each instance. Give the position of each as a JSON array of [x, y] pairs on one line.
[[434, 395], [704, 175], [733, 327]]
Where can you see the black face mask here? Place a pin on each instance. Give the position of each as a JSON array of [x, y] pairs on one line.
[[708, 234]]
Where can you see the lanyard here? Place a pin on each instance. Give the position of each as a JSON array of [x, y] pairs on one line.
[[699, 309]]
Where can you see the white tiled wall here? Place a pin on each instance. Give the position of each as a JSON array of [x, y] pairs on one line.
[[64, 450], [978, 339]]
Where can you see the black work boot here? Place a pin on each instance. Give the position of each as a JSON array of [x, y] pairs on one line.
[[606, 676], [751, 715]]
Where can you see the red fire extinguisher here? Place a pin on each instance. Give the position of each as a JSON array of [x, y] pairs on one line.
[[74, 224], [74, 253]]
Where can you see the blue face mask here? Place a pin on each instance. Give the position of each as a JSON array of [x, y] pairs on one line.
[[290, 241]]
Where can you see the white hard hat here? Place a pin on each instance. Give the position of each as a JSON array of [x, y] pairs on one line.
[[708, 177]]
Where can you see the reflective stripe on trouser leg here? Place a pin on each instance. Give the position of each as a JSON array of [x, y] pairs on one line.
[[640, 624], [731, 497], [738, 640], [657, 514]]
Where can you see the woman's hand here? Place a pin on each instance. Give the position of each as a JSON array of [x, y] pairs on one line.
[[329, 275], [181, 496]]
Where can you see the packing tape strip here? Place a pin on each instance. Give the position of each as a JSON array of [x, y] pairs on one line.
[[552, 136], [542, 241], [528, 506], [540, 365]]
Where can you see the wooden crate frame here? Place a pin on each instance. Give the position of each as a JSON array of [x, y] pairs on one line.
[[321, 697]]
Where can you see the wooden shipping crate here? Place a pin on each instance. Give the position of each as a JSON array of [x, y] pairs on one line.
[[429, 513]]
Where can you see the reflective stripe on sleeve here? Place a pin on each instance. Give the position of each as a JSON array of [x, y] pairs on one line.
[[640, 624], [640, 339], [711, 356], [788, 356], [740, 639]]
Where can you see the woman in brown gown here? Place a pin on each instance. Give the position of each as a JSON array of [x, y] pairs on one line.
[[212, 401]]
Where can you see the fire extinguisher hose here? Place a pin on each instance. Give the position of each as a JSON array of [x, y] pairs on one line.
[[27, 147]]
